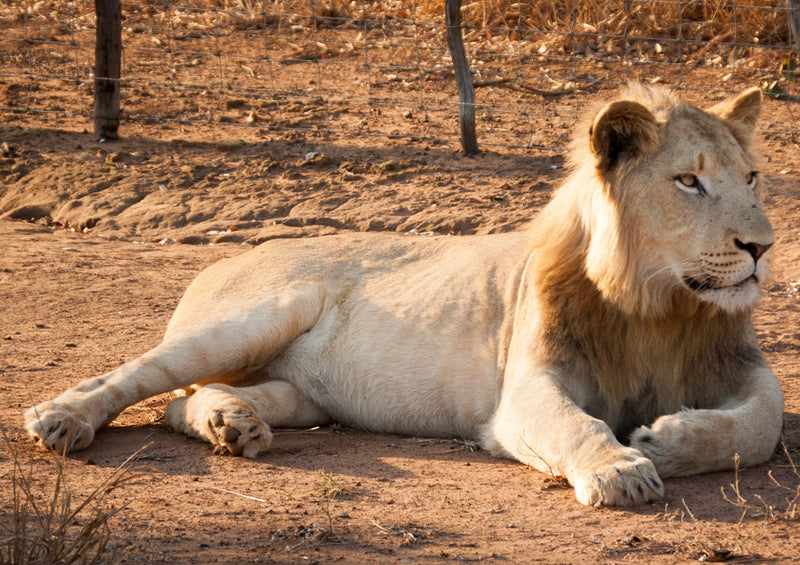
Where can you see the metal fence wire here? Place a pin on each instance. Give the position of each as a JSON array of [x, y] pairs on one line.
[[383, 68]]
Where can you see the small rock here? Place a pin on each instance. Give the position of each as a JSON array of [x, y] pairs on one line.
[[7, 150]]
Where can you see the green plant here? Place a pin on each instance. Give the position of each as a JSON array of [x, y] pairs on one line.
[[329, 488]]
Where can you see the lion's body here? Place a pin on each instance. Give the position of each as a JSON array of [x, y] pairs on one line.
[[366, 302], [611, 343]]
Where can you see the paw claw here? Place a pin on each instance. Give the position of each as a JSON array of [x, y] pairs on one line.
[[58, 428], [661, 449], [627, 481]]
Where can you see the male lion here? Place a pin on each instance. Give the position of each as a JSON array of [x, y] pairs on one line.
[[611, 343]]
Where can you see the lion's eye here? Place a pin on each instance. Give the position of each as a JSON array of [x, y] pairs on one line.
[[751, 178], [690, 183]]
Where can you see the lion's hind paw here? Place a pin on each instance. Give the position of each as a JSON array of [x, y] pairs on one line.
[[215, 413], [239, 431], [57, 428], [627, 482]]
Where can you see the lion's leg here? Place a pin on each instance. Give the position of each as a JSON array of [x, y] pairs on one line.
[[239, 419], [69, 421], [195, 350], [537, 423], [701, 441]]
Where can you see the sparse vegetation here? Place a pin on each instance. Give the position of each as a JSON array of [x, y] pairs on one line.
[[763, 22], [698, 21], [329, 489], [49, 525], [760, 508], [743, 545], [408, 534]]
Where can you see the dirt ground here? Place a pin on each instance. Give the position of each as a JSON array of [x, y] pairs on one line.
[[81, 299], [99, 240]]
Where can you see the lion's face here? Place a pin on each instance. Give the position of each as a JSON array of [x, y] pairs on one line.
[[685, 187]]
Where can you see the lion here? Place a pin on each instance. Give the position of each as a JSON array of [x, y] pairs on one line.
[[610, 343]]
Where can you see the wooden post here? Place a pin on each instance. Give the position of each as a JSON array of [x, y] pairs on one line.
[[466, 92], [793, 13], [107, 63]]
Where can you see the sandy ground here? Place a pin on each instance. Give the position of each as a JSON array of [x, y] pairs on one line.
[[100, 239]]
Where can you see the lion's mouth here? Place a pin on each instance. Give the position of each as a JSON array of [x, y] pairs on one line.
[[708, 283]]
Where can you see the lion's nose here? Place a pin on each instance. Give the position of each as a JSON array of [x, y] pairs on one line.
[[756, 250]]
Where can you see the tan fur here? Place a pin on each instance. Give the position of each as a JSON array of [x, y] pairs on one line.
[[610, 344]]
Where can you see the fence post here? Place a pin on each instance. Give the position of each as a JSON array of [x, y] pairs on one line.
[[466, 92], [107, 63], [793, 13]]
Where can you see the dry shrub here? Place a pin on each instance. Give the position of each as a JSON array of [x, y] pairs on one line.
[[698, 22], [51, 525], [789, 511], [760, 21]]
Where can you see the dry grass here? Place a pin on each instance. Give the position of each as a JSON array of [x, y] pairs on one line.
[[701, 20], [50, 525], [757, 507], [694, 31], [755, 510], [709, 543], [747, 21], [680, 28]]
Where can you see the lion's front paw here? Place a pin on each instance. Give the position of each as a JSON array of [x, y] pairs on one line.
[[676, 445], [629, 481], [652, 446], [56, 427]]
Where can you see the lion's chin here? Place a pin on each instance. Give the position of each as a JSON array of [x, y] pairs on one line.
[[733, 298], [709, 283]]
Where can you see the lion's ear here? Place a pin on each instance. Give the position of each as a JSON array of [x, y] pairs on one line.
[[744, 108], [622, 129]]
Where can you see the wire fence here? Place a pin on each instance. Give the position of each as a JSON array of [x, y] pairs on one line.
[[382, 68]]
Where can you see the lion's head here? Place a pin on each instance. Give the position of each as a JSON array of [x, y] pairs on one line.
[[667, 196]]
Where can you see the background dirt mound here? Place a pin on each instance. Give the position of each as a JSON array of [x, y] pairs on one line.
[[251, 191]]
